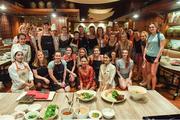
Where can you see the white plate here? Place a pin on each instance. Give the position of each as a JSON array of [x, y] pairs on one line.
[[107, 96], [21, 107], [86, 91], [34, 107], [32, 113], [95, 111]]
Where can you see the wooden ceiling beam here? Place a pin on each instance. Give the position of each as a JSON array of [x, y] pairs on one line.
[[13, 9]]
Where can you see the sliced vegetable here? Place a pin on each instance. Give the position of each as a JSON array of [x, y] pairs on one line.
[[50, 111]]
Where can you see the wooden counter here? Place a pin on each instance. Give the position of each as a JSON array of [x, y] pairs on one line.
[[153, 104]]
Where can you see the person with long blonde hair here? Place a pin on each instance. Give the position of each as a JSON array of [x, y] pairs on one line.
[[123, 43], [144, 37], [40, 71]]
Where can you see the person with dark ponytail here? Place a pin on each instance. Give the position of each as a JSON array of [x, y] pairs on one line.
[[124, 68]]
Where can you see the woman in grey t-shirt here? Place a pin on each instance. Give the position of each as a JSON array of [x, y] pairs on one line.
[[124, 69]]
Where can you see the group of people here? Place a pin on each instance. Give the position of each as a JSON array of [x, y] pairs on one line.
[[97, 60]]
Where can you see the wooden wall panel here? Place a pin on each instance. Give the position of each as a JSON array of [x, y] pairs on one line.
[[6, 26]]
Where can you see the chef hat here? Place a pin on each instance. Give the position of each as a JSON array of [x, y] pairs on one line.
[[53, 27], [15, 52]]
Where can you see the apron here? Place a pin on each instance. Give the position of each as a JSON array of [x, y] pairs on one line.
[[42, 71], [70, 65], [96, 66], [23, 75], [47, 45], [58, 72]]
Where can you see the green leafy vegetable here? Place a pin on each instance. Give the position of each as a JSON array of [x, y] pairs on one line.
[[95, 115], [86, 95], [50, 111], [32, 116], [117, 96]]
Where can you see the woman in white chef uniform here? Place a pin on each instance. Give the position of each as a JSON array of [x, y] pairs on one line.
[[21, 45], [20, 73]]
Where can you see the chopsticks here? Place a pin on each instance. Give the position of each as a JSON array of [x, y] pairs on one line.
[[72, 101]]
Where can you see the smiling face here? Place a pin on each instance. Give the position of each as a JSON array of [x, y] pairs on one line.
[[57, 57], [68, 51], [96, 52], [112, 37], [143, 37], [106, 59], [100, 31], [19, 56], [76, 36], [123, 37], [82, 52], [40, 56], [81, 29], [113, 55], [92, 30], [152, 28], [84, 62], [22, 39], [124, 54], [64, 30]]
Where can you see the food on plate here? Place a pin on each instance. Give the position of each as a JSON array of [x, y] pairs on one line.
[[51, 111], [137, 92], [32, 116], [95, 115], [67, 113], [117, 96], [86, 95], [82, 112]]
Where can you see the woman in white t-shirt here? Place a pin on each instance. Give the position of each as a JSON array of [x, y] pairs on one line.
[[21, 46]]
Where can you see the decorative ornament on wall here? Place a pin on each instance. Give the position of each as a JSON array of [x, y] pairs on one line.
[[41, 4], [49, 4], [92, 1], [99, 17], [100, 11], [33, 5]]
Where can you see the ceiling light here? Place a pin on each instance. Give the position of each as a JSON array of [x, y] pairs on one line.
[[178, 2], [3, 7], [54, 15], [82, 19], [135, 16]]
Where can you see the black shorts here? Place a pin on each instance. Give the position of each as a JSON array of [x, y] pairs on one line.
[[150, 59]]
